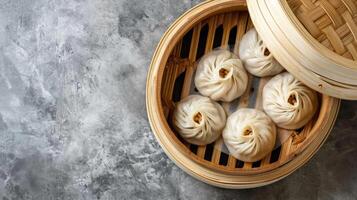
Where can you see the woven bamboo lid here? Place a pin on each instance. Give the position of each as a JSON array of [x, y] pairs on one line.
[[316, 40]]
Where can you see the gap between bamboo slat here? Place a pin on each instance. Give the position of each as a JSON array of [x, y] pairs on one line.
[[169, 79], [192, 58]]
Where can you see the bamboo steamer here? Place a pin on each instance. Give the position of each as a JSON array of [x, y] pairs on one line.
[[212, 24]]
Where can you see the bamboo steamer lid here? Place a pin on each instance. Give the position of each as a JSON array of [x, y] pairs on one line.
[[315, 40]]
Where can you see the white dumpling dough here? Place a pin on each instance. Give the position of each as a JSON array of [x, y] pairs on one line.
[[199, 120], [256, 57], [249, 134], [289, 102], [221, 76]]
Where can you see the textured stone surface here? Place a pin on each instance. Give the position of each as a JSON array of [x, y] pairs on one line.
[[73, 123]]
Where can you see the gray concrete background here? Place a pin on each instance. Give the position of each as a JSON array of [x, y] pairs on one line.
[[73, 123]]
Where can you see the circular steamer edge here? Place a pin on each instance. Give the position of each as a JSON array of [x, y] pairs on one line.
[[160, 127]]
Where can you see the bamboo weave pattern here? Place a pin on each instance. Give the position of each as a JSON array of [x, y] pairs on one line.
[[332, 22]]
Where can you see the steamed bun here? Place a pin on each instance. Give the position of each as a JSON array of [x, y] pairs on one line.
[[256, 57], [249, 134], [221, 76], [289, 102], [199, 120]]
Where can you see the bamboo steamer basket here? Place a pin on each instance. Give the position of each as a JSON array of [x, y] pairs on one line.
[[212, 24]]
